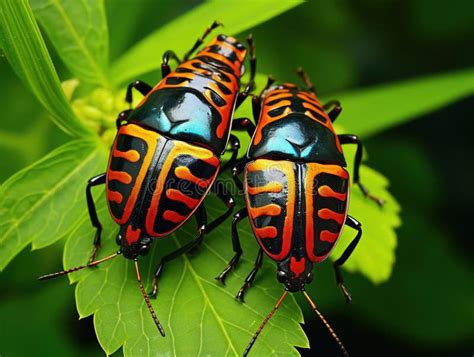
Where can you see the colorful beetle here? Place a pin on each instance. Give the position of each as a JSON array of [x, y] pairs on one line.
[[165, 157], [296, 188]]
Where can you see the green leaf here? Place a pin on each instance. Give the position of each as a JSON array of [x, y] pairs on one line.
[[369, 111], [27, 53], [78, 31], [180, 34], [188, 293], [41, 203], [375, 253]]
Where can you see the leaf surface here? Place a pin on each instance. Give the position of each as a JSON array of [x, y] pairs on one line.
[[78, 31], [41, 203], [26, 51], [199, 315]]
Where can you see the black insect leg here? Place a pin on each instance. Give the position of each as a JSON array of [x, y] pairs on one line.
[[240, 124], [304, 76], [251, 277], [140, 86], [236, 171], [353, 139], [235, 245], [333, 108], [201, 39], [256, 108], [201, 220], [253, 65], [234, 147], [165, 67], [353, 223], [94, 181], [219, 189]]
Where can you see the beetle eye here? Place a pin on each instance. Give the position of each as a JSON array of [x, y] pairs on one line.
[[309, 277], [118, 239], [281, 276], [144, 249]]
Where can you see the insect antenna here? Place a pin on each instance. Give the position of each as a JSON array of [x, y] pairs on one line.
[[147, 300], [264, 322], [313, 306], [65, 272]]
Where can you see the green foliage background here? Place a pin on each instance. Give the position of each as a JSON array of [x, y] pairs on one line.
[[416, 297]]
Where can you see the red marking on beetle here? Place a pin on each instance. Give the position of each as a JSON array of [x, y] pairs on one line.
[[327, 214], [267, 210], [266, 232], [114, 196], [119, 176], [130, 155], [327, 236], [177, 195], [172, 216], [185, 174], [326, 191], [316, 110], [132, 235], [297, 266]]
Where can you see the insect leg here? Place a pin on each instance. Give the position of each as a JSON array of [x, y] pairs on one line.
[[353, 223], [201, 39], [353, 139], [304, 76], [333, 108], [235, 244], [219, 189], [201, 220], [251, 277], [236, 171], [140, 86], [94, 181], [253, 65], [165, 67], [243, 124], [234, 147]]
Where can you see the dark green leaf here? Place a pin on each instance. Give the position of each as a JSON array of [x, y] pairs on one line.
[[180, 34], [78, 31], [27, 53], [41, 203]]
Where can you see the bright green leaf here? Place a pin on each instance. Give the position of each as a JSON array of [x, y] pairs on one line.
[[78, 31], [27, 53], [41, 203], [180, 34], [369, 111], [200, 316]]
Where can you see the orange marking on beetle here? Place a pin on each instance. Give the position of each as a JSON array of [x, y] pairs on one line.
[[177, 195], [184, 173], [316, 110], [267, 210], [130, 155], [297, 266], [282, 103], [287, 168], [174, 217], [283, 95], [326, 191], [119, 176], [273, 186], [151, 139], [327, 236], [132, 235], [327, 214], [114, 196], [266, 232]]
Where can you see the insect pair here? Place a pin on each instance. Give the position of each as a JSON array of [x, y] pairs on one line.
[[166, 158]]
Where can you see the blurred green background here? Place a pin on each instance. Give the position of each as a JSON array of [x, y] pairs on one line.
[[427, 307]]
